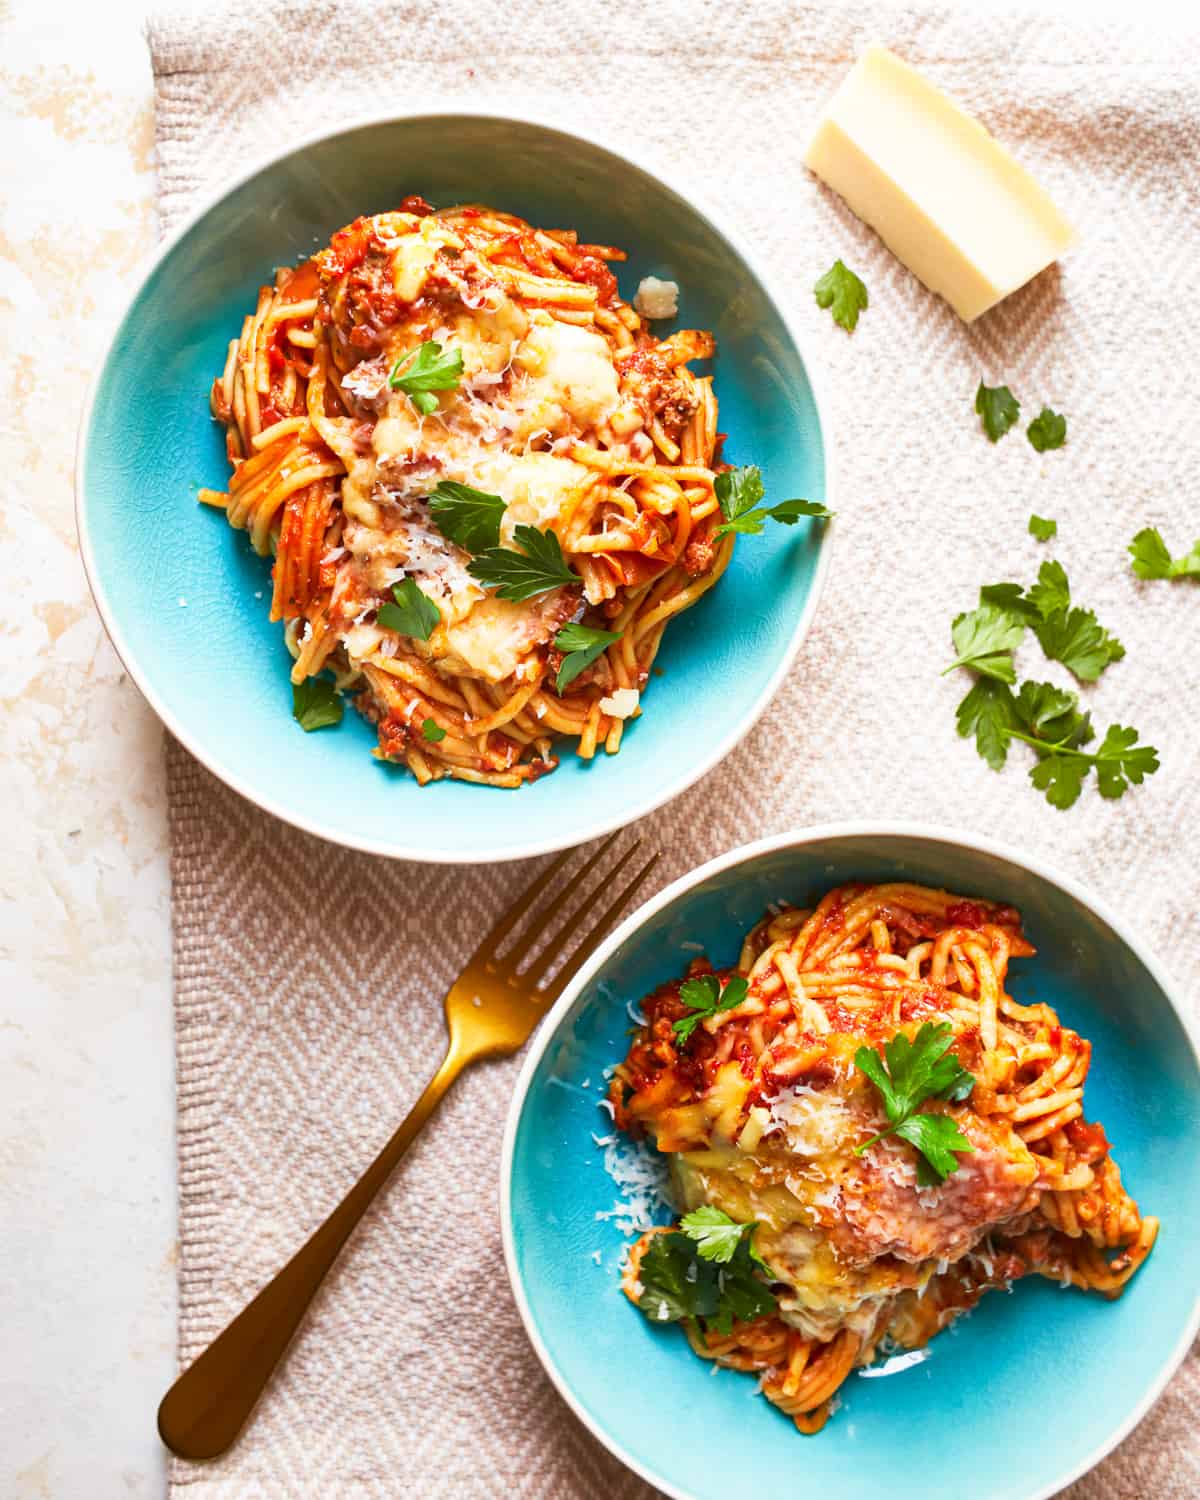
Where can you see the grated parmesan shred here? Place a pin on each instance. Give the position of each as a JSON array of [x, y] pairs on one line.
[[640, 1175]]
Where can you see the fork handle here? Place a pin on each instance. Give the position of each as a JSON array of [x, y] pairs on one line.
[[208, 1405]]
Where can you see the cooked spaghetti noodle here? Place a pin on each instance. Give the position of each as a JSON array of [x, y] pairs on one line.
[[566, 407], [762, 1107]]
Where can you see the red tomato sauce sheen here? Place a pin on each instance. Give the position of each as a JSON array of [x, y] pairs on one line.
[[595, 273], [348, 248]]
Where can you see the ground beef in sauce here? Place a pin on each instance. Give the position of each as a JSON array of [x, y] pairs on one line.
[[657, 390], [883, 1212]]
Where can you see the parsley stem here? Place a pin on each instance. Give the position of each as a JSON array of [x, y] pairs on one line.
[[1059, 748], [866, 1145]]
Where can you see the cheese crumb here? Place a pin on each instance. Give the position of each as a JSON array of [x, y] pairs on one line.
[[621, 704], [657, 299]]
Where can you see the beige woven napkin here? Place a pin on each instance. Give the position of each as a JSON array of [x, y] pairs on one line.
[[308, 979]]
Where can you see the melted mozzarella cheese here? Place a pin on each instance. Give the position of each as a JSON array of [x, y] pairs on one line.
[[494, 636], [569, 375], [411, 261], [535, 486], [562, 377], [487, 337]]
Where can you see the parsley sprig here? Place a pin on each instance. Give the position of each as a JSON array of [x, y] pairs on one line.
[[1045, 717], [1047, 430], [705, 997], [1152, 557], [316, 704], [841, 291], [986, 637], [468, 517], [1041, 528], [998, 409], [738, 492], [707, 1270], [1062, 767], [909, 1073], [410, 612], [426, 369], [718, 1236], [1049, 719], [538, 566], [582, 645]]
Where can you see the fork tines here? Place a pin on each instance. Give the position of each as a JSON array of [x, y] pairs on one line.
[[550, 950]]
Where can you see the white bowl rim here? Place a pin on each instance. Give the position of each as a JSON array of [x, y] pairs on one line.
[[602, 823], [798, 838]]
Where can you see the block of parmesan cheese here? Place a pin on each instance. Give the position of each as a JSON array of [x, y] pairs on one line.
[[943, 194]]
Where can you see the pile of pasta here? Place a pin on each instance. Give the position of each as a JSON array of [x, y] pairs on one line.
[[864, 1255], [568, 408]]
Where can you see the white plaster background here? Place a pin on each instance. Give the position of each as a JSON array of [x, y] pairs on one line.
[[87, 1211]]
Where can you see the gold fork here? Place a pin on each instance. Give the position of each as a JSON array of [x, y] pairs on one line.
[[491, 1009]]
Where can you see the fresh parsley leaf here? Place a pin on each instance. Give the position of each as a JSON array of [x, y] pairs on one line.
[[1041, 715], [743, 1297], [1009, 597], [1061, 778], [469, 518], [998, 408], [985, 640], [1052, 591], [1070, 635], [908, 1073], [788, 512], [432, 731], [1047, 430], [1075, 638], [539, 566], [413, 612], [1152, 558], [917, 1069], [426, 369], [717, 1236], [704, 997], [1048, 715], [843, 293], [316, 704], [1052, 713], [1062, 767], [738, 492], [582, 645], [988, 712], [1120, 760], [1042, 529], [937, 1139], [676, 1283], [679, 1283]]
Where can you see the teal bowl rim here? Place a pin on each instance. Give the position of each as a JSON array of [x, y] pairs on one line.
[[744, 853], [604, 822]]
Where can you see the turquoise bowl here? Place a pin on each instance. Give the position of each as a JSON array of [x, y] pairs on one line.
[[1025, 1393], [185, 599]]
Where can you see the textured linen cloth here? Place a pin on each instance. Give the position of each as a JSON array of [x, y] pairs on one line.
[[306, 1028]]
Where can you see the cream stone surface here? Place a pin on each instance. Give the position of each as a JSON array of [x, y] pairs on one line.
[[87, 1200], [87, 1193]]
